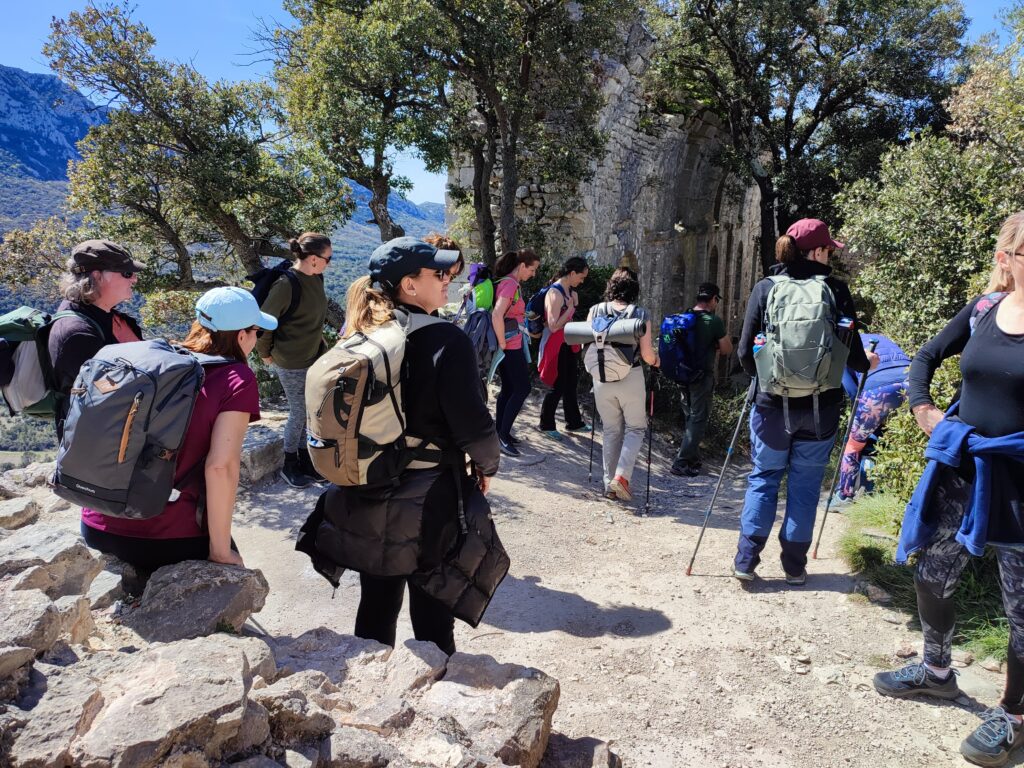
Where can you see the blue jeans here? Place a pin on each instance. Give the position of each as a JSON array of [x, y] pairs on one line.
[[775, 451]]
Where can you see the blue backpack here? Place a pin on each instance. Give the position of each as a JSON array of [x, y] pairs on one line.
[[536, 317], [682, 360]]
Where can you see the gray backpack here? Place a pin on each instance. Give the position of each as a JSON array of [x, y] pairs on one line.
[[605, 360], [801, 355], [129, 410]]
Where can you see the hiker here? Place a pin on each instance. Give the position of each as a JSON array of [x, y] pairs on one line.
[[445, 243], [507, 317], [696, 396], [226, 323], [884, 391], [100, 275], [789, 435], [389, 533], [296, 344], [971, 493], [622, 403], [560, 303]]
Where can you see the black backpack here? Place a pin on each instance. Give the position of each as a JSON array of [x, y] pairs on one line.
[[264, 280]]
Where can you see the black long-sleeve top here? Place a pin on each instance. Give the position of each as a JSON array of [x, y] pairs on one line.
[[992, 367], [443, 402], [753, 324]]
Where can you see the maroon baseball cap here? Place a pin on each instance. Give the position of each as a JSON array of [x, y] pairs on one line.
[[812, 233]]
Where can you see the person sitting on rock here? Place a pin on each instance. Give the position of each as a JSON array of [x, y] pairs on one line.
[[227, 320], [100, 275]]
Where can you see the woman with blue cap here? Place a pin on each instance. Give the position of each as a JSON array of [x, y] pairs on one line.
[[227, 320]]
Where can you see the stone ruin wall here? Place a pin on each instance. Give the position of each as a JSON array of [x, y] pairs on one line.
[[657, 201]]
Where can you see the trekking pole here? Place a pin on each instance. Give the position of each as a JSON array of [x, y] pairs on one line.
[[650, 432], [721, 477], [842, 447]]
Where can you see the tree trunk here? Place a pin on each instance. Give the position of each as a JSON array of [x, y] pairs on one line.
[[509, 185], [483, 166], [769, 233], [241, 243], [380, 189]]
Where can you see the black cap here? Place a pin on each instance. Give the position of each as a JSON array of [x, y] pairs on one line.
[[103, 255], [708, 291], [403, 256]]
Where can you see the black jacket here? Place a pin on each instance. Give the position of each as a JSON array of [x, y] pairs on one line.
[[753, 324], [411, 526], [73, 340]]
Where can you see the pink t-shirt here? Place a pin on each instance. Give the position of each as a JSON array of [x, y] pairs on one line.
[[227, 387], [508, 288]]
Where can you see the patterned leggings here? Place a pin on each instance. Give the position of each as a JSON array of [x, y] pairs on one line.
[[938, 572], [293, 381], [873, 409]]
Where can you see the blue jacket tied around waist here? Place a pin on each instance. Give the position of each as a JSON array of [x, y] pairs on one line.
[[951, 442]]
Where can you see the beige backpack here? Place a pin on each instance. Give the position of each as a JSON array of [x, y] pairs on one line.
[[355, 414]]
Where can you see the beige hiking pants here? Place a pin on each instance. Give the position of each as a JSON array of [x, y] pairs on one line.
[[623, 422]]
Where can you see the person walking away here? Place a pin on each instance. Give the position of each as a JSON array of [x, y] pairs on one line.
[[884, 391], [560, 304], [227, 320], [622, 404], [793, 436], [296, 344], [971, 494], [388, 534], [507, 317], [100, 275], [696, 397]]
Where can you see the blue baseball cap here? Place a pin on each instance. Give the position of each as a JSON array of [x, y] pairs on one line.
[[403, 256], [230, 308]]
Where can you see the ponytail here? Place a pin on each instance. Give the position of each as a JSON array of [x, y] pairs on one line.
[[367, 307], [786, 251], [308, 244], [512, 259], [575, 264]]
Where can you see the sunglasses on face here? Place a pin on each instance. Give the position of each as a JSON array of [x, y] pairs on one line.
[[441, 274], [126, 275]]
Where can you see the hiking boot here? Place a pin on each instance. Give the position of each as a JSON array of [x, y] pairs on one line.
[[742, 575], [992, 742], [916, 680], [306, 465], [797, 581], [620, 487], [582, 429], [554, 434], [839, 503], [693, 470], [679, 470], [292, 472], [508, 449]]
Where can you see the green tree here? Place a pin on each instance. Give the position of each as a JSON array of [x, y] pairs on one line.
[[799, 85], [358, 85], [181, 160], [527, 84]]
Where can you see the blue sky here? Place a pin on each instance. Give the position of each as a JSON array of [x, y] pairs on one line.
[[217, 35]]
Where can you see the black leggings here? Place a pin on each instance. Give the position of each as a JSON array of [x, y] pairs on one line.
[[515, 387], [380, 601], [564, 390]]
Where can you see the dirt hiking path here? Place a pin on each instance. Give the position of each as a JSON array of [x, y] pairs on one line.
[[673, 670]]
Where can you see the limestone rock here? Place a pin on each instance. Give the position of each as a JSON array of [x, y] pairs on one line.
[[195, 598], [29, 619], [15, 513], [34, 475], [180, 697], [105, 589], [13, 657], [257, 653], [356, 748], [507, 708], [340, 657], [262, 454], [587, 752], [76, 618], [254, 730], [50, 559], [294, 717]]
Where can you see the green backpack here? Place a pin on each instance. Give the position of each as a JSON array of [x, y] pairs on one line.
[[802, 354]]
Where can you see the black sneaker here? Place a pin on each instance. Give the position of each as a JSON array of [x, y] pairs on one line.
[[292, 472], [916, 680], [513, 440], [797, 581], [693, 470], [679, 470], [508, 449], [992, 742]]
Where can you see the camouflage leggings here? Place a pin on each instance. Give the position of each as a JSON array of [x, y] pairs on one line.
[[938, 572]]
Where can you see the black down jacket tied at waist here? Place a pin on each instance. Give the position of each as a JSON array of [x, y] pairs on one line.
[[412, 530]]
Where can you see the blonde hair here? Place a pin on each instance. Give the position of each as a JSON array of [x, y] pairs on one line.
[[1010, 240], [367, 307]]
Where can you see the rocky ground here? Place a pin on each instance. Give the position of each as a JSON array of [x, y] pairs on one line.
[[672, 670]]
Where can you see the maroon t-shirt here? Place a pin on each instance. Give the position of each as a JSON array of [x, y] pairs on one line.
[[227, 387]]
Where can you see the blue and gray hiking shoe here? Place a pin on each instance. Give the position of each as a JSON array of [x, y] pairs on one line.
[[916, 680], [992, 742]]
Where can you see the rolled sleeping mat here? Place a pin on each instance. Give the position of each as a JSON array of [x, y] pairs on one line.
[[621, 332]]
